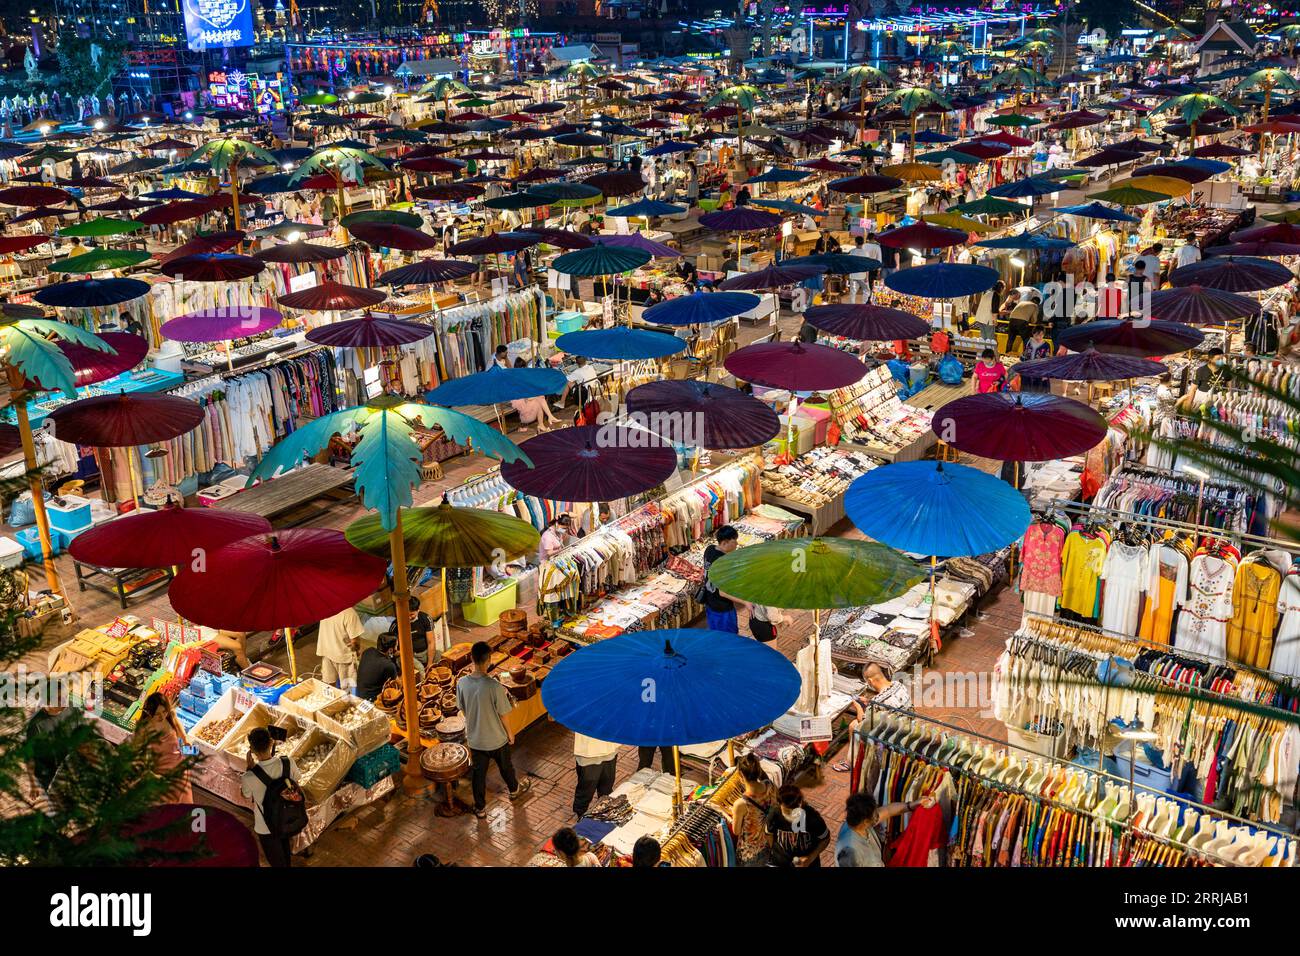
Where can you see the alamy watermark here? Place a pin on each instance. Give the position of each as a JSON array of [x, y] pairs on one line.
[[31, 690]]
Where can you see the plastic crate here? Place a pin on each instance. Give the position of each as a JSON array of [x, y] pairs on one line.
[[567, 322], [73, 515], [11, 553], [485, 611], [30, 539], [67, 537], [375, 766]]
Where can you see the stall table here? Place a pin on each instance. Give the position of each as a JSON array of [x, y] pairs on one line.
[[284, 500]]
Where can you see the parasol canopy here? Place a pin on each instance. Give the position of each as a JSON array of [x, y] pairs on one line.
[[1090, 366], [619, 344], [125, 420], [942, 280], [427, 272], [331, 296], [875, 323], [601, 259], [97, 260], [169, 537], [392, 236], [1019, 426], [592, 463], [600, 690], [497, 384], [796, 366], [1141, 339], [932, 508], [89, 293], [701, 307], [707, 415], [91, 366], [213, 267], [289, 578], [922, 235], [1232, 274], [221, 324], [814, 573], [369, 332], [1198, 305], [300, 252], [775, 276], [441, 536], [740, 219]]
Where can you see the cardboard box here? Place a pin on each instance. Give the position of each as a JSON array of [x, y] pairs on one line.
[[369, 733], [294, 700], [319, 782]]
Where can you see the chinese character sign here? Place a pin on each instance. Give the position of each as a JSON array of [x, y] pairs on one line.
[[218, 23]]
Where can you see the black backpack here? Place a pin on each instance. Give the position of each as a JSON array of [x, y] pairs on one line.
[[284, 808]]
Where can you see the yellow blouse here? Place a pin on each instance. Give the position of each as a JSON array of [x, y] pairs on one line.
[[1081, 563]]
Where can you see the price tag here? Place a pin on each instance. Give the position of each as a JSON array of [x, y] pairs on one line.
[[118, 628], [814, 728], [244, 700]]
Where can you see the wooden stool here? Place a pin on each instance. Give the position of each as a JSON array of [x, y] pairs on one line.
[[431, 471]]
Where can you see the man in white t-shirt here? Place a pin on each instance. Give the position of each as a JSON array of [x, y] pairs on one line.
[[581, 376], [871, 249], [337, 644], [1187, 253], [858, 281], [261, 755]]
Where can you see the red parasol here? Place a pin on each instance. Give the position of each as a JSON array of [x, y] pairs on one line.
[[33, 196], [617, 182], [91, 366], [1197, 305], [392, 236], [369, 332], [922, 235], [11, 244], [170, 537], [1019, 426], [826, 166], [213, 267], [870, 323], [492, 244], [205, 242], [864, 185], [592, 463], [125, 420], [1149, 338], [331, 296], [795, 366], [168, 837], [983, 149], [1233, 274], [173, 212], [288, 579], [1005, 139]]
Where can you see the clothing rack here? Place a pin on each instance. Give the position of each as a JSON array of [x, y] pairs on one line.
[[873, 732], [1083, 509]]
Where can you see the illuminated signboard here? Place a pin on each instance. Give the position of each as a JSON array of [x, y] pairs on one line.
[[218, 24]]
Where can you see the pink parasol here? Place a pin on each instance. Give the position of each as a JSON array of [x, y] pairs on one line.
[[592, 463], [221, 325], [796, 366]]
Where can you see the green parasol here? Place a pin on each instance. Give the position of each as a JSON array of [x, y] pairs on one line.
[[319, 99], [990, 206], [815, 573], [1130, 196], [445, 537], [100, 260], [390, 216], [103, 226], [1013, 119]]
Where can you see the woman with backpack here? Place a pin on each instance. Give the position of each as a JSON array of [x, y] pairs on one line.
[[279, 807]]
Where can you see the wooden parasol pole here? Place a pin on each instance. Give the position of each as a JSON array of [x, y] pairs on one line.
[[19, 400], [413, 779]]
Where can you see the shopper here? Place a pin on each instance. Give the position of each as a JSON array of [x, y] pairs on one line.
[[858, 280], [1036, 347], [990, 375], [421, 625], [645, 759], [1188, 252], [1110, 298], [597, 763], [647, 853], [483, 702], [376, 667], [572, 849], [338, 640], [749, 813], [858, 843], [798, 832], [720, 607], [1212, 373], [871, 250], [164, 735], [532, 410], [262, 768], [557, 536]]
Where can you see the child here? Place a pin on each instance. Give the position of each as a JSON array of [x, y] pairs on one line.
[[990, 374]]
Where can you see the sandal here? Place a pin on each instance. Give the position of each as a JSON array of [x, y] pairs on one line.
[[524, 787], [841, 766], [481, 813]]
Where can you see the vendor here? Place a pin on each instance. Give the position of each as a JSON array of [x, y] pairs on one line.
[[1212, 373], [421, 625], [557, 536], [376, 667]]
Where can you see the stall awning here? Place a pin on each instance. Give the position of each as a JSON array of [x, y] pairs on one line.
[[434, 67]]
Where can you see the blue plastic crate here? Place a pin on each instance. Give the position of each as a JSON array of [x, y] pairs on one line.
[[66, 538], [72, 517], [186, 700], [30, 539], [267, 695], [375, 766]]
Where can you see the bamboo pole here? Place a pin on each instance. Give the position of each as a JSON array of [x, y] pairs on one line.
[[413, 778], [19, 400]]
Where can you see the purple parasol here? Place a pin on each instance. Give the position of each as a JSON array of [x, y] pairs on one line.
[[1139, 339], [775, 276], [657, 250], [740, 219], [1019, 426], [1233, 274], [222, 324], [493, 243], [1090, 366], [704, 414], [331, 296], [562, 238], [796, 366], [369, 332], [1255, 247], [874, 323], [864, 185], [427, 272], [392, 236], [299, 252], [1198, 305], [592, 463]]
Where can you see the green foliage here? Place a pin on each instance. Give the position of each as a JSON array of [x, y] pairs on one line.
[[85, 72]]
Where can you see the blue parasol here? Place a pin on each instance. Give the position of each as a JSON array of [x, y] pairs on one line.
[[497, 385], [670, 688], [1032, 186], [600, 260], [786, 206], [1025, 240], [671, 146], [91, 292], [926, 507], [644, 208], [619, 344], [701, 307], [942, 280], [1095, 210], [778, 175]]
